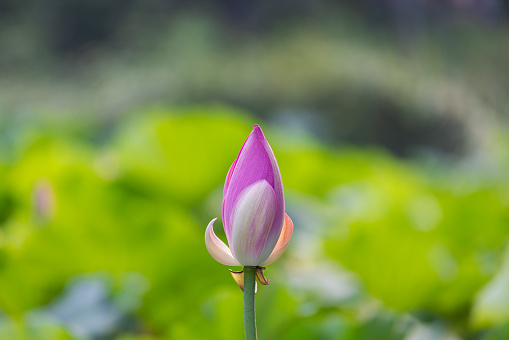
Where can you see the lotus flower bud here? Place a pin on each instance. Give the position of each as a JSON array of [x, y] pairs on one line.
[[254, 219]]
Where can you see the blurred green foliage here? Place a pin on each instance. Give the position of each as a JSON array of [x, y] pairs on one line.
[[409, 246]]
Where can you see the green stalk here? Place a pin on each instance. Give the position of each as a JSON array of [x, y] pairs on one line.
[[249, 303]]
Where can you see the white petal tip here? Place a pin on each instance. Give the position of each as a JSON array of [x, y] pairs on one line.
[[217, 249]]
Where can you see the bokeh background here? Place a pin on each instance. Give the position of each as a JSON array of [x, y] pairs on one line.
[[119, 121]]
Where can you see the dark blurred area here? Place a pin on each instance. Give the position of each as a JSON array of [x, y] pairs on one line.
[[408, 68], [70, 28]]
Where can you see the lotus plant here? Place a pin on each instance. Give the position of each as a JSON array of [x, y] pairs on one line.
[[254, 220]]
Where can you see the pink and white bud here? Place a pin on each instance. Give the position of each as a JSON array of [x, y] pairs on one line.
[[254, 220]]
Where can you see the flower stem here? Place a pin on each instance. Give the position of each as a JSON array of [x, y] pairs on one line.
[[249, 303]]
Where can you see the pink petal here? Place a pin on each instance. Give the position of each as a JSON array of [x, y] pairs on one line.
[[227, 182], [251, 222], [282, 243], [279, 216], [255, 162], [226, 227], [217, 249]]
